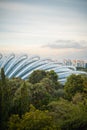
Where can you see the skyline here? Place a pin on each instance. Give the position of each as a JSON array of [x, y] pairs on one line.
[[51, 28]]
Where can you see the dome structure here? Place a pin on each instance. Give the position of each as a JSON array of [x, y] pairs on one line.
[[23, 65]]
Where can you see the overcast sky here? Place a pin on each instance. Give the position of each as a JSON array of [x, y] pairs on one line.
[[51, 28]]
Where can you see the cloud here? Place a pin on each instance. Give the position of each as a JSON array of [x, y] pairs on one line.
[[67, 44], [24, 7]]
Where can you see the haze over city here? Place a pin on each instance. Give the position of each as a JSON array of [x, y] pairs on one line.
[[49, 28]]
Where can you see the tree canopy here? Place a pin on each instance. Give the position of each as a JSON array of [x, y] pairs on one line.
[[42, 103]]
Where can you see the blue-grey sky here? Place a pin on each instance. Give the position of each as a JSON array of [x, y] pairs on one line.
[[53, 28]]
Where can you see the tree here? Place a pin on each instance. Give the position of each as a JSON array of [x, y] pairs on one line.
[[52, 75], [22, 99], [73, 85], [69, 116], [60, 93], [5, 100], [49, 85], [40, 96], [37, 76], [2, 75], [14, 122], [85, 85], [15, 84], [33, 120], [78, 97]]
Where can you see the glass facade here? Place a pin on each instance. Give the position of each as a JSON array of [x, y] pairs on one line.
[[23, 65]]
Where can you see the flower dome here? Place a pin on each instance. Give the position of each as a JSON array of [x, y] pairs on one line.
[[23, 65]]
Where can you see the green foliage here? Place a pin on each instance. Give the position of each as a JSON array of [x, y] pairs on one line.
[[15, 84], [85, 84], [40, 95], [45, 84], [37, 76], [50, 109], [14, 122], [2, 75], [5, 99], [33, 120], [78, 97], [52, 75], [48, 84], [73, 85], [81, 69], [21, 100], [60, 93], [36, 120], [68, 115]]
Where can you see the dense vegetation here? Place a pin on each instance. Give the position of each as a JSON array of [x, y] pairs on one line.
[[42, 103], [81, 69]]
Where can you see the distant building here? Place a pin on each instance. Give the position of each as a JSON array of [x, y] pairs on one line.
[[76, 63], [85, 66]]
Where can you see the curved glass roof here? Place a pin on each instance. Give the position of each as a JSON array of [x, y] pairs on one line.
[[23, 65]]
